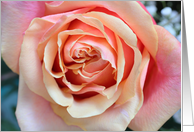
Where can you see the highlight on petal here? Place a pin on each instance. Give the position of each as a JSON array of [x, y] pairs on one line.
[[162, 90], [13, 28]]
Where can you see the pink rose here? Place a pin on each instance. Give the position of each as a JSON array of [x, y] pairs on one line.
[[90, 65]]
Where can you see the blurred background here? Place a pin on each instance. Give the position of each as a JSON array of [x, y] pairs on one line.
[[166, 14]]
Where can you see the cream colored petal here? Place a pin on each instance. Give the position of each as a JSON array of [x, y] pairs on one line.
[[132, 80], [89, 88], [61, 98], [50, 54], [60, 25], [120, 70], [144, 67], [73, 87], [92, 106], [115, 118], [120, 60], [30, 64]]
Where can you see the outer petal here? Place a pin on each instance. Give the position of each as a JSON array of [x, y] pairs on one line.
[[162, 91], [16, 17], [154, 22], [35, 114], [116, 118]]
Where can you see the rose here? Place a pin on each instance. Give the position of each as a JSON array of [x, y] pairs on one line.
[[73, 71]]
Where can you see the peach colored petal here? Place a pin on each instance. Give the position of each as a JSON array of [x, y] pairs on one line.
[[115, 118], [144, 67], [85, 74], [50, 54], [13, 28], [61, 24], [73, 87], [120, 70], [92, 106], [57, 3], [33, 110], [112, 22], [29, 60], [103, 78], [88, 88], [96, 65], [134, 15], [76, 34], [94, 23], [61, 98], [68, 46], [154, 22], [100, 44], [55, 17], [120, 60], [77, 24], [162, 91]]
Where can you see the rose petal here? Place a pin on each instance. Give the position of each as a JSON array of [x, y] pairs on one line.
[[29, 60], [154, 22], [77, 24], [141, 22], [54, 18], [88, 88], [91, 106], [115, 118], [106, 51], [61, 98], [50, 54], [162, 90], [14, 12], [112, 23], [35, 114], [103, 78]]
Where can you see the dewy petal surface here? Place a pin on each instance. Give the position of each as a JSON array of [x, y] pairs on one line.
[[162, 90], [14, 12]]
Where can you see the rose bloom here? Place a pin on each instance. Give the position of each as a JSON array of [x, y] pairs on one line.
[[90, 65]]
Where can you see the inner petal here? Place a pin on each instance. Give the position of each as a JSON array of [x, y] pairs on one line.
[[103, 78], [106, 51]]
